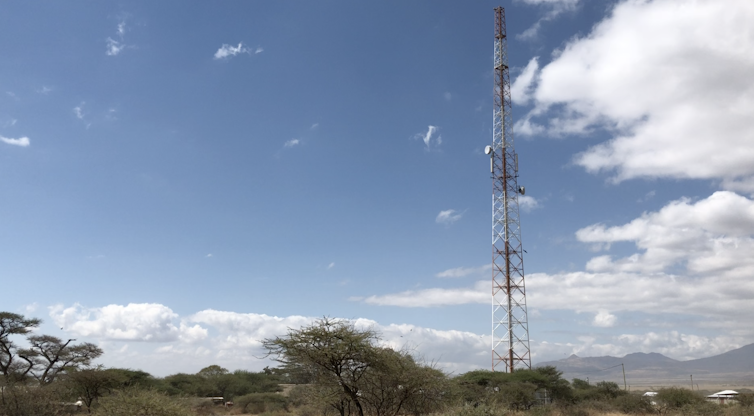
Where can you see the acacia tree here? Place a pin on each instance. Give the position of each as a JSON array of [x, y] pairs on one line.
[[350, 371], [48, 356], [219, 380], [333, 352], [13, 324], [398, 384], [92, 383]]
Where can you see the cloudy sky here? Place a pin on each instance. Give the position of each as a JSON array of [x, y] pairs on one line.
[[180, 181]]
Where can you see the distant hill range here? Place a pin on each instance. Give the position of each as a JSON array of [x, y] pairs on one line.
[[736, 366]]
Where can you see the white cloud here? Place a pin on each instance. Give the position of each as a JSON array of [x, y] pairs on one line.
[[134, 322], [554, 9], [674, 344], [649, 195], [479, 293], [692, 259], [292, 142], [227, 51], [79, 111], [330, 266], [553, 3], [314, 126], [527, 203], [448, 96], [429, 137], [448, 216], [604, 319], [44, 90], [523, 85], [21, 141], [241, 337], [234, 340], [114, 47], [464, 272], [677, 108], [258, 50], [709, 236]]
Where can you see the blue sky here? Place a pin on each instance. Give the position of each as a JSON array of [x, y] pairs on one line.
[[180, 181]]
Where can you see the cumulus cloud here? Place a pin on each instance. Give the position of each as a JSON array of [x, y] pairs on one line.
[[133, 322], [674, 344], [292, 142], [241, 332], [709, 236], [235, 339], [21, 141], [692, 259], [604, 319], [429, 138], [523, 86], [229, 51], [679, 108], [448, 216], [685, 250]]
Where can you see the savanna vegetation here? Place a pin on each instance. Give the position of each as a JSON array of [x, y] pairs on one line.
[[329, 368]]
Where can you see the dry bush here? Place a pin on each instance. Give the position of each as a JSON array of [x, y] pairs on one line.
[[35, 401], [138, 402], [261, 403]]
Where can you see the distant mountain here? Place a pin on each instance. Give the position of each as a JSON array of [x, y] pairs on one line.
[[733, 366]]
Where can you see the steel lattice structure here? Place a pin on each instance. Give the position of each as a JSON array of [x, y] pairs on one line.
[[510, 326]]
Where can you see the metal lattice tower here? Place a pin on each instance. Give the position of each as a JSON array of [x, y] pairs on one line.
[[510, 326]]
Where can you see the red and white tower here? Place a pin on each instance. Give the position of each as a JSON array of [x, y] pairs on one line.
[[510, 326]]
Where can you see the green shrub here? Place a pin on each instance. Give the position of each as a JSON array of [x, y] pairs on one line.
[[35, 401], [703, 409], [746, 399], [478, 410], [541, 411], [138, 402], [261, 402], [516, 395], [577, 410], [676, 398], [633, 404]]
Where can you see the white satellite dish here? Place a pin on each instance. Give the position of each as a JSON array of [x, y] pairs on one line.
[[487, 150]]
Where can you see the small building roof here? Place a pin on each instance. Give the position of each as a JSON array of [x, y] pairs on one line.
[[724, 393]]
